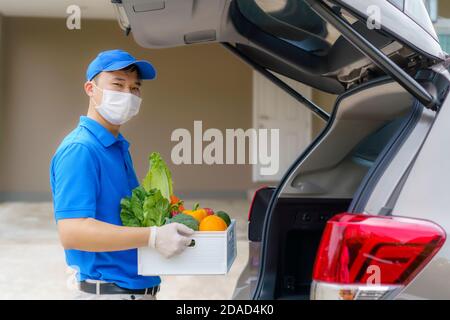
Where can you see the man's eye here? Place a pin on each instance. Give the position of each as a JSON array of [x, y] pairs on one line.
[[117, 84]]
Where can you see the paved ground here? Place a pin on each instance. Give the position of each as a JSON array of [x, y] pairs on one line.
[[32, 264]]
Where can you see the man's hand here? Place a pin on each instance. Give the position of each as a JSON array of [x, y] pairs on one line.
[[170, 239]]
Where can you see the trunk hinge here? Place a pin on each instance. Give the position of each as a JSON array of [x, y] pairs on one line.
[[373, 53]]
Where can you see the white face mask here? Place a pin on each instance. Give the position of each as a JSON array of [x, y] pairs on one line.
[[118, 107]]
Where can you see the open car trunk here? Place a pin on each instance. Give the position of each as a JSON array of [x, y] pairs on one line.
[[365, 127], [289, 37], [325, 44]]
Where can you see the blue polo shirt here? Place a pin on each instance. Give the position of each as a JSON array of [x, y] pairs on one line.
[[90, 173]]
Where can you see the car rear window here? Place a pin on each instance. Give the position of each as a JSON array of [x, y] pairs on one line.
[[291, 20]]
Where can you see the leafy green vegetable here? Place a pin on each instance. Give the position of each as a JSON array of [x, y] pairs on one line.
[[137, 201], [156, 209], [127, 214], [144, 209], [158, 176], [149, 204]]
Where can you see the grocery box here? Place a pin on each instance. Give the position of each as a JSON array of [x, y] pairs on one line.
[[212, 253]]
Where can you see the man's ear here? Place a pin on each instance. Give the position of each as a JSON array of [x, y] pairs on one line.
[[89, 88]]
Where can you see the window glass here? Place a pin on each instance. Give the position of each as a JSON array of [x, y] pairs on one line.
[[291, 20], [398, 3], [417, 11], [444, 40]]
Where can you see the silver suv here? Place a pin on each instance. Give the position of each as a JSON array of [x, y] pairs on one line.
[[364, 210]]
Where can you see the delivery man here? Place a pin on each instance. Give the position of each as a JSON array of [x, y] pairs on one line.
[[91, 172]]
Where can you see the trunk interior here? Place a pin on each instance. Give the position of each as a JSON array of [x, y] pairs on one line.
[[301, 224]]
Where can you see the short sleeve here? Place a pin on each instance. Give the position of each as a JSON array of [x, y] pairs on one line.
[[75, 186], [133, 180]]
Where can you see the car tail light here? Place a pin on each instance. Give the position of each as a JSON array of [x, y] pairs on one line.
[[370, 257], [253, 201]]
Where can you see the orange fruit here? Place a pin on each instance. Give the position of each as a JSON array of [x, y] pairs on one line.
[[212, 223], [198, 214]]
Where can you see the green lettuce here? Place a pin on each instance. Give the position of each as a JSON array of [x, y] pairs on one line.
[[155, 209], [144, 209], [131, 213], [149, 204], [158, 176]]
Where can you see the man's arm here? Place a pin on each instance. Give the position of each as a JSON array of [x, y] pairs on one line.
[[88, 234]]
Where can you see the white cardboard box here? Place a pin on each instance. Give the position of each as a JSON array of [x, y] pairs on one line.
[[214, 253]]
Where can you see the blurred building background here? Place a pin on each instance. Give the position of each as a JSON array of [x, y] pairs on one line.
[[42, 74]]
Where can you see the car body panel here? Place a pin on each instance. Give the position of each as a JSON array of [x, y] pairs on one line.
[[248, 278], [379, 195], [425, 195], [172, 23], [420, 34]]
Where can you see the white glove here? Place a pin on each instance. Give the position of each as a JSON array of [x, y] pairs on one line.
[[170, 239]]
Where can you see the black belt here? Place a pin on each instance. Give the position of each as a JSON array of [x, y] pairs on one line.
[[112, 288]]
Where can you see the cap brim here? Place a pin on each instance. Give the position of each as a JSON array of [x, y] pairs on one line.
[[146, 69]]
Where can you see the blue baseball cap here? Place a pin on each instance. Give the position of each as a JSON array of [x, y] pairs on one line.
[[113, 60]]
